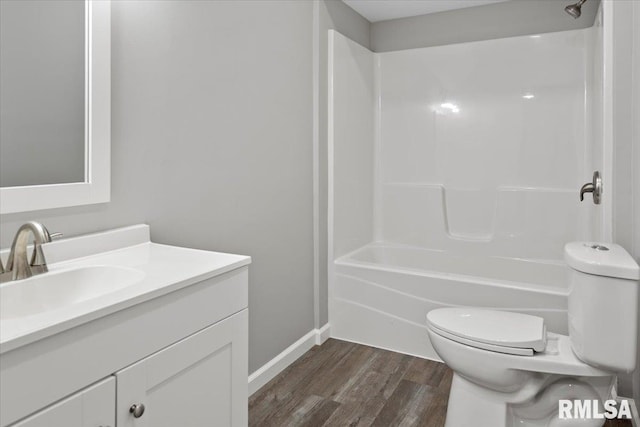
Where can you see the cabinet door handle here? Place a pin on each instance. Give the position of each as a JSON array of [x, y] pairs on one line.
[[137, 410]]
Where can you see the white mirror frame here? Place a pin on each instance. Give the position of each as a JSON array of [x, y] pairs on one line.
[[96, 187]]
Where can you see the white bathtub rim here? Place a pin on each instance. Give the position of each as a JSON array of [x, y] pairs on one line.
[[385, 244]]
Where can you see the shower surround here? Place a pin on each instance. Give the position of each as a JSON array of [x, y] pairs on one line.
[[453, 174]]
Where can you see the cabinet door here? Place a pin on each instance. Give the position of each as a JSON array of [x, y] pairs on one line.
[[94, 406], [200, 381]]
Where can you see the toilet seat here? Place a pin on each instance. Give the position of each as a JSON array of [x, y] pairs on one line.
[[557, 356], [499, 331]]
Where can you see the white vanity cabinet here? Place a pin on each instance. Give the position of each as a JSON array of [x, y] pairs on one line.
[[93, 406], [200, 381], [182, 353]]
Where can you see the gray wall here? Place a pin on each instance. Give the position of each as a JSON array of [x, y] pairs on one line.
[[212, 146], [332, 14], [636, 136], [626, 136], [506, 19], [636, 168], [624, 126]]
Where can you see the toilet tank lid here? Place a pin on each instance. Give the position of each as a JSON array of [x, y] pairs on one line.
[[602, 259], [501, 328]]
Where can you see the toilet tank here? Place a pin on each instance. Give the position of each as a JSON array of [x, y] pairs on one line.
[[603, 305]]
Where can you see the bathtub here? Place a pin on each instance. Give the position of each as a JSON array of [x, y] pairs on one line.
[[380, 294]]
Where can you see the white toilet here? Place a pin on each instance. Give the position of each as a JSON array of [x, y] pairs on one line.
[[509, 371]]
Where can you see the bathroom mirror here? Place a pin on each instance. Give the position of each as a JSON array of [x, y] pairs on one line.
[[55, 91]]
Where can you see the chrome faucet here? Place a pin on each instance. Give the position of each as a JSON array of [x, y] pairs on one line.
[[18, 267]]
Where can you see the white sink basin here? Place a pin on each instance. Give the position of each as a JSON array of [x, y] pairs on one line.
[[59, 289]]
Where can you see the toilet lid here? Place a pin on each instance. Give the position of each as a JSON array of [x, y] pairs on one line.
[[490, 329]]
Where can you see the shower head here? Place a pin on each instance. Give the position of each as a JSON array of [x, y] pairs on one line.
[[575, 9]]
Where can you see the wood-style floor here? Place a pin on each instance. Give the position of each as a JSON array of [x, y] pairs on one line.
[[346, 384]]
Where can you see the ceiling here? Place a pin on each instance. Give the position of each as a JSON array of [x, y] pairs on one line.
[[382, 10]]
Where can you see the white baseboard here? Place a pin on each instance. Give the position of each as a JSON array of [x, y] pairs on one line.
[[279, 363], [323, 334]]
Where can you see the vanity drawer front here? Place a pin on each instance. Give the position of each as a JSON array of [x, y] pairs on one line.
[[39, 374], [93, 406]]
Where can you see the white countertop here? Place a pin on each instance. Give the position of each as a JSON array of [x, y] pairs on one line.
[[165, 268]]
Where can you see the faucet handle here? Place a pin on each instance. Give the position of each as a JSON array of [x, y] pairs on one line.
[[54, 236], [594, 187]]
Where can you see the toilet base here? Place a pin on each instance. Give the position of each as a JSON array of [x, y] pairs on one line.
[[534, 405], [470, 406]]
